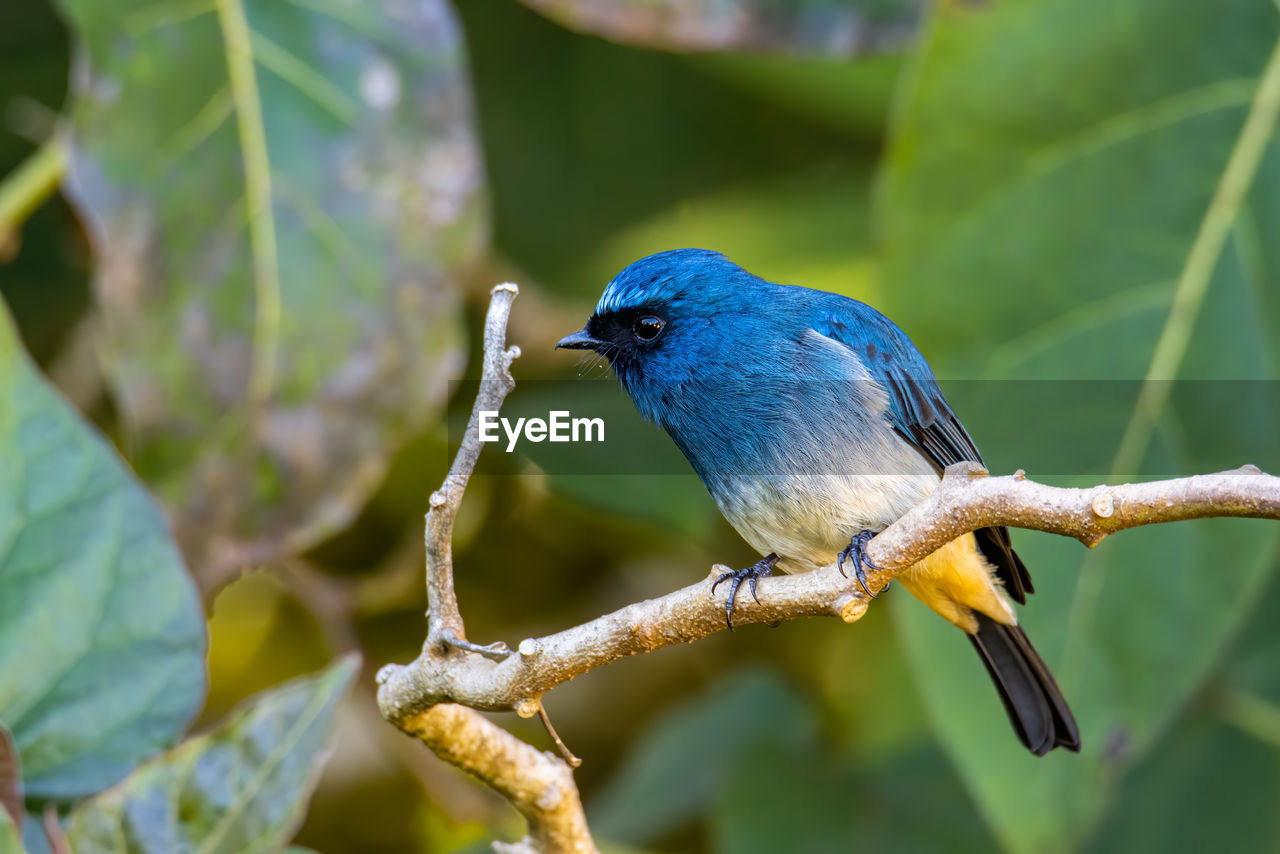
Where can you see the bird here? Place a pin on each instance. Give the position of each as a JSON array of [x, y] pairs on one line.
[[815, 422]]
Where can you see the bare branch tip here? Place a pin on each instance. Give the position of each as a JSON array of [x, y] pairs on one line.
[[840, 603], [565, 752], [385, 672], [509, 287], [853, 609]]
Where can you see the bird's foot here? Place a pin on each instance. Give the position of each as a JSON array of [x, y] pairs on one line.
[[760, 569], [857, 552]]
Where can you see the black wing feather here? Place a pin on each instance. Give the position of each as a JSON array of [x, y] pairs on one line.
[[922, 416]]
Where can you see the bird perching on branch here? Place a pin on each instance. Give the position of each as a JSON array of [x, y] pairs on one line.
[[815, 422]]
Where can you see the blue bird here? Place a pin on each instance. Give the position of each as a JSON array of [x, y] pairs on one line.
[[814, 422]]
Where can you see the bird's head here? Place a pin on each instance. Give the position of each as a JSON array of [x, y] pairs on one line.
[[665, 316]]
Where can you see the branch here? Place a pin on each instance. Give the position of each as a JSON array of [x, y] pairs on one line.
[[965, 500], [538, 784], [445, 626], [420, 697], [968, 500]]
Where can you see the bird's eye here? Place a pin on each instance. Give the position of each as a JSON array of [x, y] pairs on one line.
[[648, 327]]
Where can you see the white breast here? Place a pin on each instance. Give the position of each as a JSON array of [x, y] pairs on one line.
[[851, 472], [807, 519]]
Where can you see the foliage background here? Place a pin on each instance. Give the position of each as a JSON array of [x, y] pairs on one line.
[[1017, 182]]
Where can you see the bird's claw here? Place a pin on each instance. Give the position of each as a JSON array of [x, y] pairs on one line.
[[760, 569], [857, 552]]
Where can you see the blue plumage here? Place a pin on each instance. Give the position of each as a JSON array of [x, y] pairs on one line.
[[812, 418]]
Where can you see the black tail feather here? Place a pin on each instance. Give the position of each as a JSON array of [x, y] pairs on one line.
[[1033, 700]]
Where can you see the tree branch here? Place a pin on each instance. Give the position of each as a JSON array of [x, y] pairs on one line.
[[538, 784], [965, 500], [418, 697], [445, 626]]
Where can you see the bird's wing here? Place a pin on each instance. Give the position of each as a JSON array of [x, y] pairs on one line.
[[921, 415]]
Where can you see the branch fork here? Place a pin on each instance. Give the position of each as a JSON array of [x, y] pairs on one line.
[[436, 697]]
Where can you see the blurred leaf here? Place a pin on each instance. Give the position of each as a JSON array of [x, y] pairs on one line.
[[820, 802], [672, 772], [809, 227], [799, 26], [101, 636], [1251, 666], [554, 137], [10, 779], [1165, 804], [259, 636], [10, 840], [852, 96], [33, 77], [1037, 153], [1053, 237], [674, 502], [33, 837], [242, 787], [279, 226], [815, 803]]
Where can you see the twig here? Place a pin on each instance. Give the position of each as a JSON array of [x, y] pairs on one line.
[[445, 626], [565, 752]]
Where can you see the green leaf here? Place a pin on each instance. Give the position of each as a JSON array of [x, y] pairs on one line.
[[102, 639], [674, 770], [809, 226], [278, 227], [800, 26], [10, 840], [1165, 805], [1047, 205], [241, 788], [818, 801], [1068, 170], [10, 779], [851, 97]]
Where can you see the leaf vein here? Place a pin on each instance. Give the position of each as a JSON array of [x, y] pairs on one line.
[[305, 79], [257, 175]]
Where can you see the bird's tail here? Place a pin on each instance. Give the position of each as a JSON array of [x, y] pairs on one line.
[[1035, 704]]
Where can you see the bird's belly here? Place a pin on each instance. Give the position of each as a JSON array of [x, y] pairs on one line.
[[807, 519]]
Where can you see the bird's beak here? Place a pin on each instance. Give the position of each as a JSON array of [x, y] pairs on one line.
[[579, 340]]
